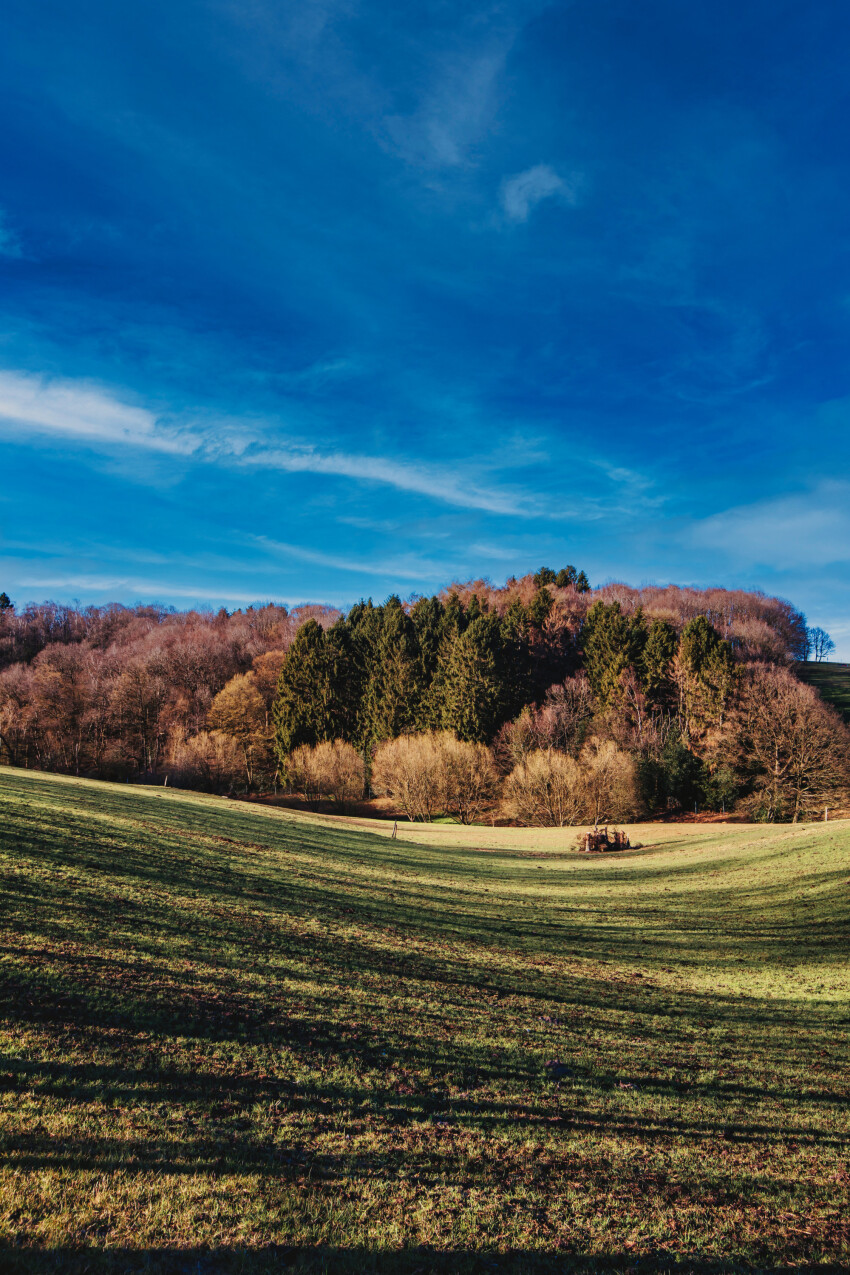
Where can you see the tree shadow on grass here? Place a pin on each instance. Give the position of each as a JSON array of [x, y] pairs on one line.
[[252, 877], [183, 846], [212, 1003], [296, 1161], [241, 1125], [414, 1260]]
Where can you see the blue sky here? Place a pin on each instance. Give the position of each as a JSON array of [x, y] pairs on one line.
[[320, 300]]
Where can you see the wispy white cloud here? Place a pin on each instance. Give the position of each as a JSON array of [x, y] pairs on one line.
[[73, 583], [396, 567], [498, 553], [94, 416], [520, 194], [637, 489], [98, 418], [810, 529], [72, 410], [452, 486], [455, 111]]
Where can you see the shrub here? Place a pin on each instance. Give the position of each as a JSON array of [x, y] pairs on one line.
[[435, 771], [552, 789], [469, 778], [545, 790], [332, 769], [409, 769], [210, 761]]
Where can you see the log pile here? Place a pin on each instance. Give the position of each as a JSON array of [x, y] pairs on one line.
[[600, 840]]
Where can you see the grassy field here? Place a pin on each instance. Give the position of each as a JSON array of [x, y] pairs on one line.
[[239, 1039], [831, 680]]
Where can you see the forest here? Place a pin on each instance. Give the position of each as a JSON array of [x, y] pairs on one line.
[[539, 702]]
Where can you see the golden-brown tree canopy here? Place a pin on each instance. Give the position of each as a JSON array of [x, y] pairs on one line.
[[663, 698]]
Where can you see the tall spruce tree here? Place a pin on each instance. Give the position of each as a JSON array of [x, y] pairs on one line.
[[455, 615], [476, 682], [346, 682], [705, 672], [428, 616], [302, 711], [540, 607], [516, 657], [395, 685], [611, 643], [657, 674], [455, 620], [363, 625]]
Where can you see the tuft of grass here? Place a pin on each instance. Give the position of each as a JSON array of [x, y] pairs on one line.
[[242, 1039]]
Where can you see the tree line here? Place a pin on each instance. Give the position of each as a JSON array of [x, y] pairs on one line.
[[542, 701], [619, 716]]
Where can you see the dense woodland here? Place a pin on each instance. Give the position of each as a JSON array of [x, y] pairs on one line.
[[542, 701]]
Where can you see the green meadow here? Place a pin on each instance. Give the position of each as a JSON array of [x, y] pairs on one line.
[[831, 681], [240, 1039]]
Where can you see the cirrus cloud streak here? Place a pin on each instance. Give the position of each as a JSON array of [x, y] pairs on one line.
[[84, 413]]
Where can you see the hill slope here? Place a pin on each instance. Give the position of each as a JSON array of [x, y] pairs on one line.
[[832, 681], [235, 1039]]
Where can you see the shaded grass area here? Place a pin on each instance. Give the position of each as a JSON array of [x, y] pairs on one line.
[[831, 681], [239, 1039]]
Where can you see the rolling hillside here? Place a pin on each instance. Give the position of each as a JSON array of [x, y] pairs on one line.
[[241, 1039], [831, 680]]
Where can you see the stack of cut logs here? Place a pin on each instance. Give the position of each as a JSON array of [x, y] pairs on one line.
[[601, 839]]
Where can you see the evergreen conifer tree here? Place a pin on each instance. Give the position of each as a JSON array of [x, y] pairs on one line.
[[516, 657], [429, 620], [395, 685], [475, 689], [705, 673], [661, 645], [302, 711], [611, 642]]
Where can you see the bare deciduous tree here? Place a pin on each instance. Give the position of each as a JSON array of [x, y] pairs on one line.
[[436, 772], [469, 778], [821, 645], [332, 770], [238, 710], [546, 790], [560, 724], [796, 748], [609, 782], [266, 669], [209, 760], [15, 714], [552, 789], [139, 710], [410, 770]]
